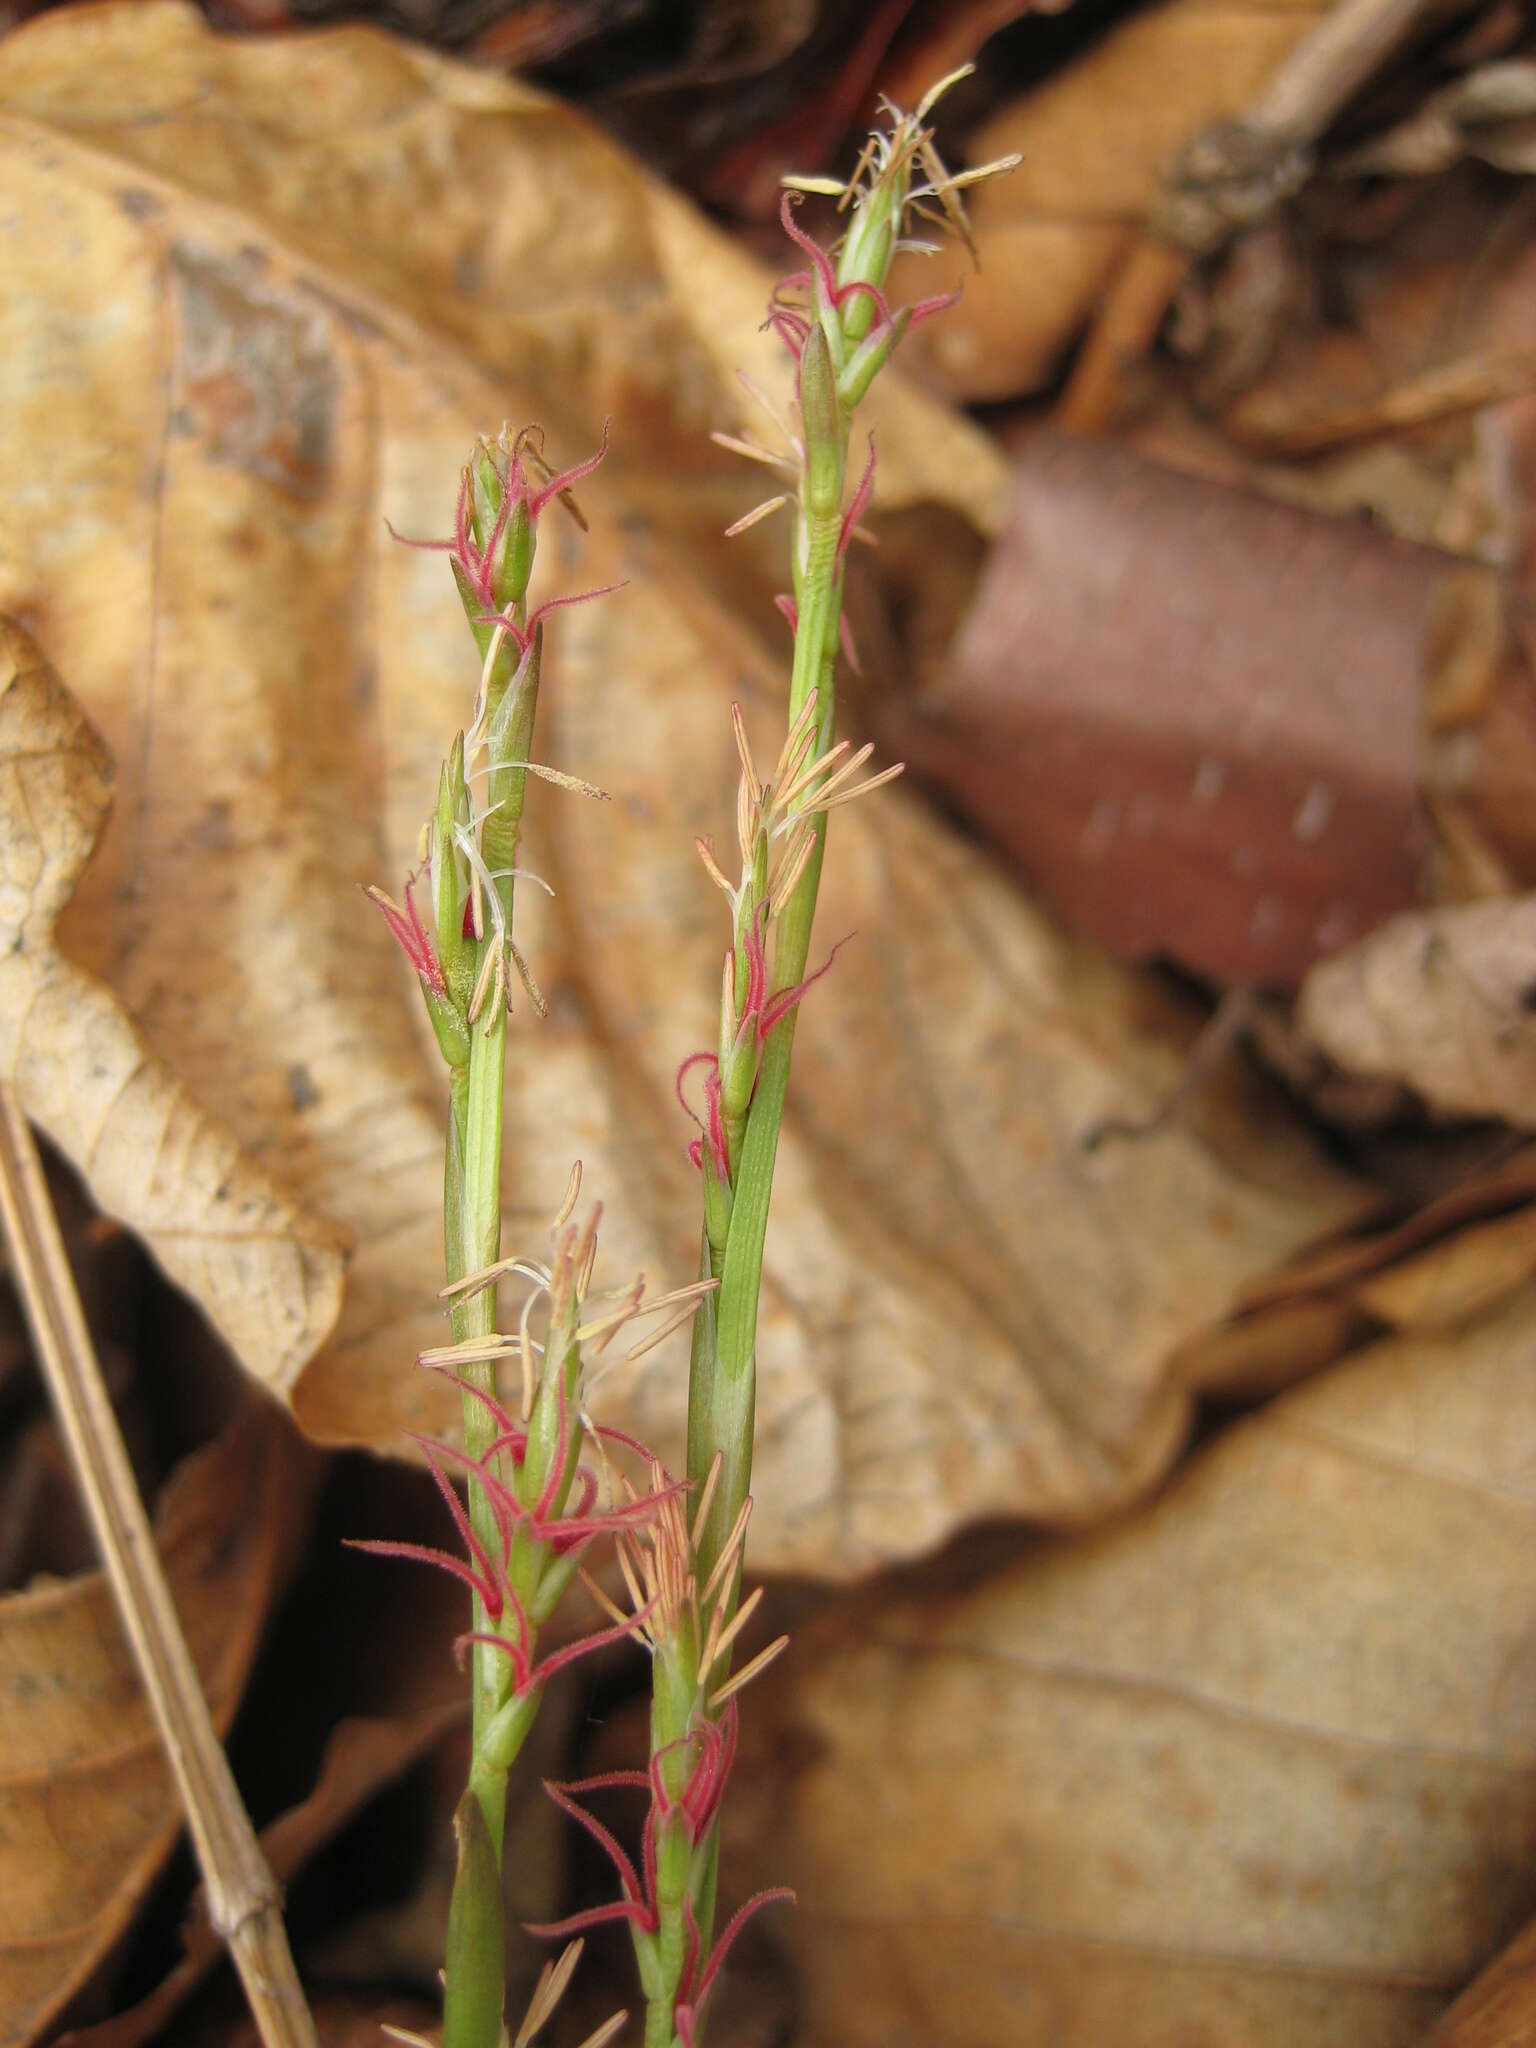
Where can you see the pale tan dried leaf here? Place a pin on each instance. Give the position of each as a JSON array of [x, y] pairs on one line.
[[1443, 1001], [1096, 138], [1255, 1765], [328, 264], [87, 1809], [1458, 1279]]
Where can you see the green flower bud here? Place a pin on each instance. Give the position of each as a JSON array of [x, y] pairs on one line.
[[502, 526], [867, 361], [821, 416]]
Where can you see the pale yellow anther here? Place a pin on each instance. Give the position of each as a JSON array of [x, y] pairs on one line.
[[748, 1672], [684, 1314], [758, 512], [706, 852], [471, 1352], [822, 766], [487, 1276], [561, 780], [706, 1498], [547, 1994], [605, 2035], [937, 90], [744, 754], [825, 188], [525, 976], [570, 1198], [483, 985], [611, 1608], [849, 796], [728, 1551], [753, 452], [719, 1641], [789, 870]]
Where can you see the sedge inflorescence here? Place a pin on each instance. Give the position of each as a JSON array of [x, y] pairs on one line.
[[689, 1628], [546, 1507], [532, 1484], [776, 832], [463, 949]]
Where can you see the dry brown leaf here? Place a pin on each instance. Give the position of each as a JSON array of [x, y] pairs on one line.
[[1144, 708], [1252, 1356], [328, 262], [361, 1757], [347, 2019], [1494, 1187], [1095, 140], [1499, 2009], [1489, 113], [87, 1809], [1456, 1255], [1255, 1765], [1443, 1001]]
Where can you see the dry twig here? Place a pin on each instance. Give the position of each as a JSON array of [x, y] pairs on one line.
[[244, 1901]]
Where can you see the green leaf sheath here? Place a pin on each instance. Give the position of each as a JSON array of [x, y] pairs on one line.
[[474, 1975]]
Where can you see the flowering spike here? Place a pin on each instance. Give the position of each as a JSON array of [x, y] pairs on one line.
[[421, 1553], [782, 1004], [410, 935], [560, 485], [467, 1535], [555, 604], [494, 1641], [860, 287], [503, 1505], [778, 1894], [608, 1781], [791, 328], [522, 636], [611, 1435], [699, 1059], [629, 1882], [826, 279], [690, 1967], [593, 1916], [583, 1646], [509, 1430], [940, 302]]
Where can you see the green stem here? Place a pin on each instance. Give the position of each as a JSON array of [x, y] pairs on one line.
[[723, 1379], [475, 1317], [472, 1242]]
